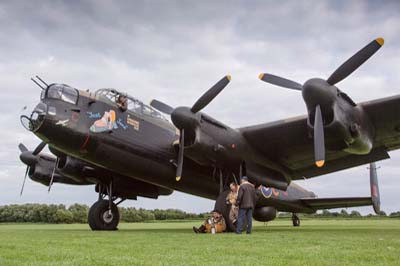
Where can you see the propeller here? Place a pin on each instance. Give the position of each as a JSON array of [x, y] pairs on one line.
[[162, 107], [185, 117], [52, 174], [39, 148], [29, 158], [319, 93], [180, 156], [23, 183], [355, 61], [319, 140], [209, 95], [281, 82]]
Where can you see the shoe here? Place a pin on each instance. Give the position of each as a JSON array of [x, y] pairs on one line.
[[195, 230]]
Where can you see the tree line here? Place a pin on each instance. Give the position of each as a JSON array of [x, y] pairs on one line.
[[77, 213]]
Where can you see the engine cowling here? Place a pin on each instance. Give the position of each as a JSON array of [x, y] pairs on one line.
[[72, 168], [211, 142], [42, 170], [349, 128], [264, 214]]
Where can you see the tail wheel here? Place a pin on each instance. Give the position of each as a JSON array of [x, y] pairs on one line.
[[101, 217], [295, 220]]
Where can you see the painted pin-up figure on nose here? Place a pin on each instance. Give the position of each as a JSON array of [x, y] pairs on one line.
[[106, 123]]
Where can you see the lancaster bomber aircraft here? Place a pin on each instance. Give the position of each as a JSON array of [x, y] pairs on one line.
[[128, 149]]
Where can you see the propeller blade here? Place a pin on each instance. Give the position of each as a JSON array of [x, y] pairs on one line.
[[180, 156], [22, 147], [162, 107], [52, 174], [23, 183], [39, 148], [355, 61], [209, 95], [281, 82], [319, 139]]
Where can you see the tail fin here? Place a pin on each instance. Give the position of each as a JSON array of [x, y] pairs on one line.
[[375, 196]]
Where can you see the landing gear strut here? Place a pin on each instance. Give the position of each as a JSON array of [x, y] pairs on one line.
[[295, 220], [104, 214]]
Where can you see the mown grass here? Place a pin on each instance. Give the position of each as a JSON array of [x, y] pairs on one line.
[[316, 242]]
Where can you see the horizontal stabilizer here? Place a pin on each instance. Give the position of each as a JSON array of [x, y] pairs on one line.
[[332, 203]]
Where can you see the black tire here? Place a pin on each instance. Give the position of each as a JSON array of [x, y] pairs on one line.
[[296, 220], [99, 218]]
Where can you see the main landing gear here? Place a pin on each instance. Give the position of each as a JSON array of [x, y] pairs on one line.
[[104, 214], [295, 220]]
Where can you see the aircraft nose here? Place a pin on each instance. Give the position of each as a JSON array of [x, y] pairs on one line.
[[36, 119]]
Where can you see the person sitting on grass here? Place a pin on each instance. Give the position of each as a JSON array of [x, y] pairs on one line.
[[214, 224]]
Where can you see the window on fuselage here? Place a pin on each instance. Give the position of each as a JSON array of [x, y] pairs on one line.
[[134, 105], [63, 93]]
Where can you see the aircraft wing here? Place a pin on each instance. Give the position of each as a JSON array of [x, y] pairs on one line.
[[289, 142], [332, 203]]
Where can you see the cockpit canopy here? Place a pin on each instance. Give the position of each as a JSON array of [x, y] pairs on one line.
[[133, 104], [61, 92]]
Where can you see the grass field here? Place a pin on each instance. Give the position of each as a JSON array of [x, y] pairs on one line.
[[316, 242]]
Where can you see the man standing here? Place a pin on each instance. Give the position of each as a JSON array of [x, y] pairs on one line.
[[246, 201], [231, 200]]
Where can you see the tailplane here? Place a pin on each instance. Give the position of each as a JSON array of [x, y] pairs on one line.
[[332, 203]]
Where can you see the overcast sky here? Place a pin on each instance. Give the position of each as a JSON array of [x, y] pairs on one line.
[[174, 51]]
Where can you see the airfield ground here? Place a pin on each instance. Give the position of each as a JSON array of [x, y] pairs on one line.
[[316, 242]]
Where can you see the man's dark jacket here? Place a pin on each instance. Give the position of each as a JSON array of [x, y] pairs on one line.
[[246, 196]]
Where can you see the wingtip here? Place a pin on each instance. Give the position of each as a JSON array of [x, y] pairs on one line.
[[380, 41], [229, 77], [320, 163], [261, 76]]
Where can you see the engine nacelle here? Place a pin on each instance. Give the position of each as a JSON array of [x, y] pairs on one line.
[[212, 141], [72, 168], [42, 170], [264, 214], [348, 127]]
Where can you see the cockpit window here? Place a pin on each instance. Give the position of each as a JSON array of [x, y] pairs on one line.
[[134, 104], [63, 93]]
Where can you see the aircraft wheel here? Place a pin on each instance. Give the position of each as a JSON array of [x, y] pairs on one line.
[[295, 220], [100, 218]]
